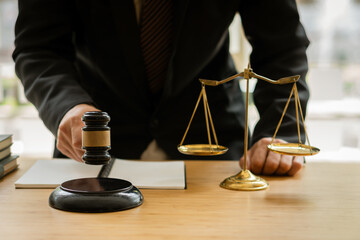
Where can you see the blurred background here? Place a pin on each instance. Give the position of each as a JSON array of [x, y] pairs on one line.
[[333, 116]]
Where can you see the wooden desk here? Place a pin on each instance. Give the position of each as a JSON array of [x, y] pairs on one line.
[[322, 202]]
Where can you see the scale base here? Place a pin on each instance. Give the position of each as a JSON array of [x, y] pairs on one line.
[[244, 181], [94, 195]]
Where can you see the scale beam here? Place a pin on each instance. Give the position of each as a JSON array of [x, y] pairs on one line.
[[217, 83], [285, 80], [251, 74]]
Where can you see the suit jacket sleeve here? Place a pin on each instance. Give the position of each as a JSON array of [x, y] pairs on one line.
[[279, 47], [44, 57]]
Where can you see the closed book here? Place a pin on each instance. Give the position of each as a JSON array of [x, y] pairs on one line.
[[142, 174], [8, 165], [5, 152], [5, 141]]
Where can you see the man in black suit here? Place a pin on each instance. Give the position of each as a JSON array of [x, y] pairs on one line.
[[74, 56]]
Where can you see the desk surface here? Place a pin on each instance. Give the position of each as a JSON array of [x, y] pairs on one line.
[[322, 202]]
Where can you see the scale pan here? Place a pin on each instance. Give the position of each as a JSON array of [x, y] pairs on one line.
[[294, 149], [202, 149]]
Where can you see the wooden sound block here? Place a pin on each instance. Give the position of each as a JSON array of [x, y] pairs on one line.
[[94, 195]]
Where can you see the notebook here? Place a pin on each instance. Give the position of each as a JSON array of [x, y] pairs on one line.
[[142, 174]]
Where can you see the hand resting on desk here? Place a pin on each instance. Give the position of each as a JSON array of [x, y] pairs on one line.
[[263, 161]]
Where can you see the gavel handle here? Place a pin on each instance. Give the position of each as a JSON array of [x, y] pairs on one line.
[[106, 168]]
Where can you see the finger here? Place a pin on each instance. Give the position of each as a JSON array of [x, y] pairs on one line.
[[258, 157], [285, 164], [248, 161], [79, 153], [271, 163], [76, 141], [73, 153], [65, 146], [66, 149], [63, 135], [297, 165]]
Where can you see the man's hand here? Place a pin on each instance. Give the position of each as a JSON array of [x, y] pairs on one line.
[[260, 160], [69, 133]]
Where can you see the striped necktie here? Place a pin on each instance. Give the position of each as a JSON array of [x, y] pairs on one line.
[[156, 37]]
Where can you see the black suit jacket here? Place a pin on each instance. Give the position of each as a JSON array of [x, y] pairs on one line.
[[87, 51]]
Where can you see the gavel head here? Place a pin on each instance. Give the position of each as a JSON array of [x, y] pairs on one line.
[[96, 138]]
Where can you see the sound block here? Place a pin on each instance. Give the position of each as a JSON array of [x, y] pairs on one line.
[[94, 195]]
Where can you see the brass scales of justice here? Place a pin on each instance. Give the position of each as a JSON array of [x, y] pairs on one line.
[[245, 180]]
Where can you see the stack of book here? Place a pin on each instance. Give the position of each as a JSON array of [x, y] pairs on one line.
[[8, 162]]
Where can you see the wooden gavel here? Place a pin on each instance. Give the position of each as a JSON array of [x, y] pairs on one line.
[[96, 138]]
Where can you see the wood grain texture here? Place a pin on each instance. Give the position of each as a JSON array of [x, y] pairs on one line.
[[322, 202]]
